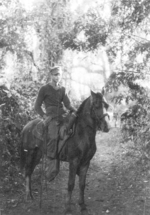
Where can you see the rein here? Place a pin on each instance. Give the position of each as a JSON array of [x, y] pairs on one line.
[[97, 118], [93, 115], [106, 114]]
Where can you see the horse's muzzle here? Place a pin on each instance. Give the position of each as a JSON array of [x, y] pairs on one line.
[[107, 119], [105, 123]]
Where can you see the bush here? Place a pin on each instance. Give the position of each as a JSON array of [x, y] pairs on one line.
[[13, 118], [135, 126]]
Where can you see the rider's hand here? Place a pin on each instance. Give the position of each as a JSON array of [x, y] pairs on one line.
[[44, 117]]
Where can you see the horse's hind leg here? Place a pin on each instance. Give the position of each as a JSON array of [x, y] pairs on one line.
[[82, 171], [28, 187], [32, 159]]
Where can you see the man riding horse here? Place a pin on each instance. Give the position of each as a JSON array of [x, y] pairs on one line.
[[79, 148], [54, 98]]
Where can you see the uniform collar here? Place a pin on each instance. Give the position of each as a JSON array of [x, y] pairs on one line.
[[55, 87]]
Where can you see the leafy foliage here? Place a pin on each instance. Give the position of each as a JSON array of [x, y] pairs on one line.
[[13, 20], [94, 31], [13, 118], [129, 22], [124, 36], [135, 127], [49, 19]]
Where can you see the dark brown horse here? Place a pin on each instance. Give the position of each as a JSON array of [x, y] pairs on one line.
[[78, 150]]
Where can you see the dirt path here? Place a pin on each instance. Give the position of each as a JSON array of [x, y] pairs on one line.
[[116, 185]]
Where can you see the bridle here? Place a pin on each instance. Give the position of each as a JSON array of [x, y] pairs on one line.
[[98, 119], [91, 114]]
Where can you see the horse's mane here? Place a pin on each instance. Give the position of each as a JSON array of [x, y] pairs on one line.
[[81, 106]]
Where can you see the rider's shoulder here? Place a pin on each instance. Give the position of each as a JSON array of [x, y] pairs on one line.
[[62, 88], [44, 88]]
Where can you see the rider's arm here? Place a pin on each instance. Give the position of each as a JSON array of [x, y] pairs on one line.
[[67, 102], [38, 103]]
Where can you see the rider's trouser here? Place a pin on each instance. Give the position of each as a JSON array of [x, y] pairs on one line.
[[52, 139], [52, 164]]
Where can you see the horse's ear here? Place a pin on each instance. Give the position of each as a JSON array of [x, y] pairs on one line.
[[92, 93], [92, 96], [103, 91]]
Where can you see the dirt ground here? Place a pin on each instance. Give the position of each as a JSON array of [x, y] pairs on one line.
[[117, 184]]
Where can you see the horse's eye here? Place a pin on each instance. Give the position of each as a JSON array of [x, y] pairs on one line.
[[106, 105], [97, 104]]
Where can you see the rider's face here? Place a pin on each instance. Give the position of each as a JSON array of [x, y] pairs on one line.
[[56, 77]]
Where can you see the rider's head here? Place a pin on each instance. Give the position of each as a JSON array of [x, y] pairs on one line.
[[56, 74], [56, 70]]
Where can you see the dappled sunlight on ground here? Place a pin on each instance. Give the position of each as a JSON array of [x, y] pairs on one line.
[[116, 184]]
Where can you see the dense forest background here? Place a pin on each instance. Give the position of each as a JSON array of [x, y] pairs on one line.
[[107, 40]]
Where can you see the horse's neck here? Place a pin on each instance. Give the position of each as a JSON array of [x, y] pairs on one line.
[[85, 116]]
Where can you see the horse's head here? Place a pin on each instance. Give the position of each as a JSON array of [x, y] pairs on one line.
[[99, 108]]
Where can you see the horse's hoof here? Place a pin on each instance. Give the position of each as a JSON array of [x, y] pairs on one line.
[[29, 197], [84, 211]]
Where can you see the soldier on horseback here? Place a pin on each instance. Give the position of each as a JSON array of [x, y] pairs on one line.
[[79, 148], [54, 98]]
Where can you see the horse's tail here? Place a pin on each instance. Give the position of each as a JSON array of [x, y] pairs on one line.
[[22, 155]]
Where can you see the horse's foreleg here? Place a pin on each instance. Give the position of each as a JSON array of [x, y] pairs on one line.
[[28, 187], [71, 183], [32, 159], [28, 173], [82, 180]]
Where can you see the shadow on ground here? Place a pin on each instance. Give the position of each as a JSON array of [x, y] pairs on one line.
[[117, 184]]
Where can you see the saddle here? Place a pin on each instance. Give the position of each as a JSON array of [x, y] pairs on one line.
[[39, 130], [65, 125]]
